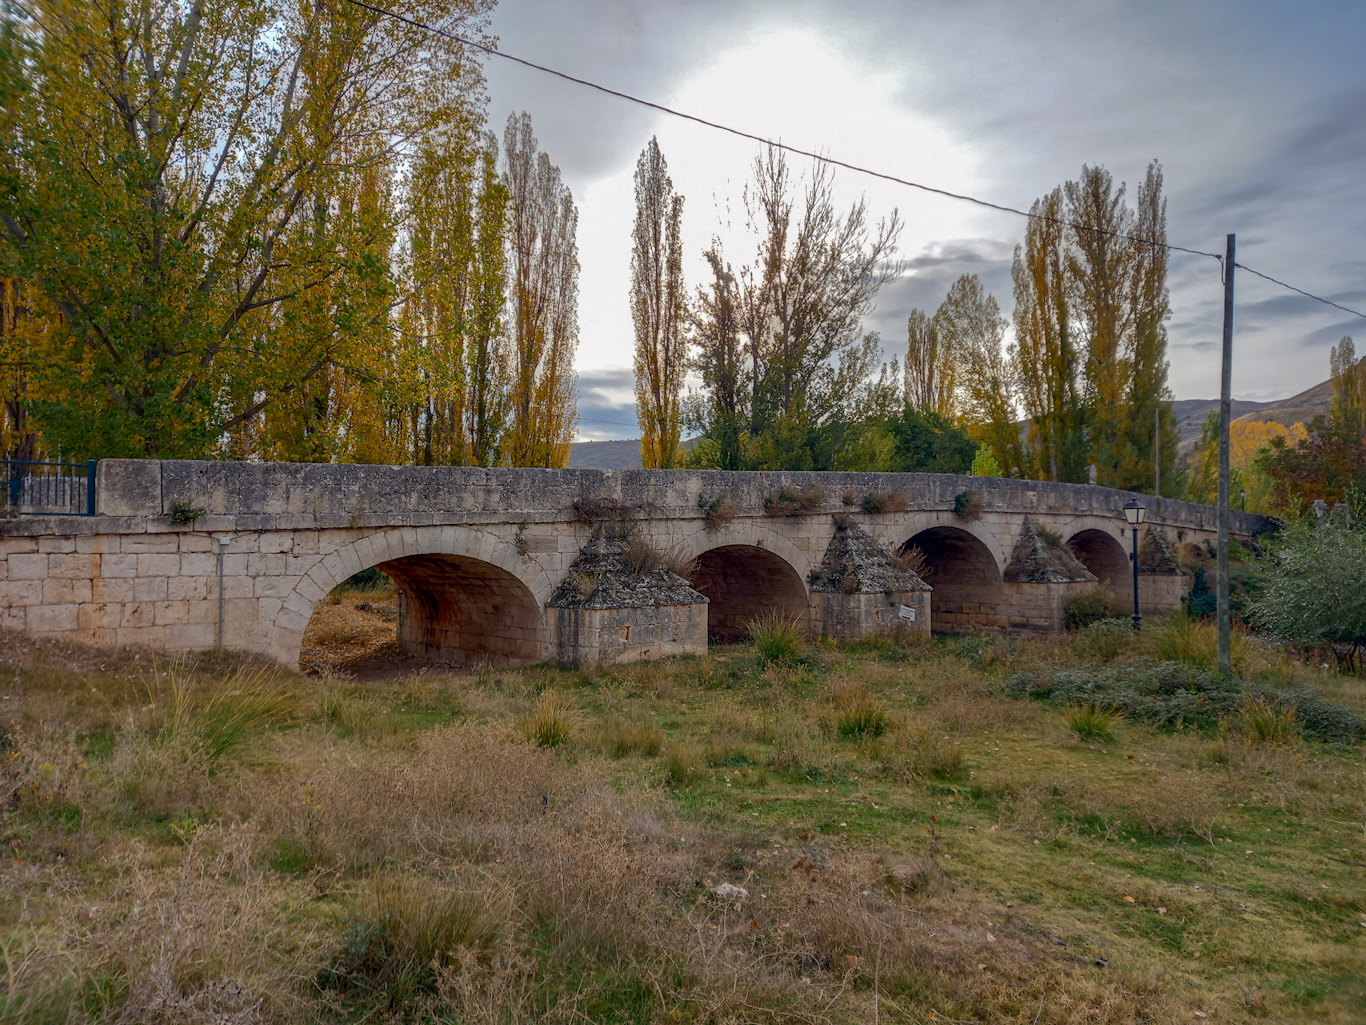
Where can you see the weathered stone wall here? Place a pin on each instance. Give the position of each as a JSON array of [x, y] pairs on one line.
[[864, 614], [587, 637], [1159, 594], [495, 544]]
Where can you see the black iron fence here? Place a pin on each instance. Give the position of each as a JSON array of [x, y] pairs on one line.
[[47, 489]]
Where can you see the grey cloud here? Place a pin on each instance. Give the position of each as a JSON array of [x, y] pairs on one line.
[[603, 414], [930, 274]]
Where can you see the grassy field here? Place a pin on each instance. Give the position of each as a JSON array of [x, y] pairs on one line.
[[896, 832]]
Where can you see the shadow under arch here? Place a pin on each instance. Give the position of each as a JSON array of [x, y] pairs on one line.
[[466, 611], [460, 596], [966, 580], [743, 582], [1101, 553]]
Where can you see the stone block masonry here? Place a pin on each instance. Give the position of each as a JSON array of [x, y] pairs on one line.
[[478, 553]]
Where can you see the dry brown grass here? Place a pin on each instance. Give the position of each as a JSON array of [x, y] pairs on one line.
[[978, 878]]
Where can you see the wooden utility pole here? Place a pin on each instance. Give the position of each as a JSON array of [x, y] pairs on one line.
[[1225, 415]]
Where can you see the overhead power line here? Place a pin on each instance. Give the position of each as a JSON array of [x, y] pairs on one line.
[[1311, 295], [832, 161]]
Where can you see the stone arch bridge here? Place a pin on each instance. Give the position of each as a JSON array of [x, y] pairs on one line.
[[512, 566]]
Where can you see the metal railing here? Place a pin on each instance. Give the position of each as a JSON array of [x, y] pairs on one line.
[[47, 489]]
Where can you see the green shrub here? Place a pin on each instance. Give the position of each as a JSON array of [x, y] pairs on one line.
[[1092, 606], [776, 639], [1315, 590], [1104, 640], [1173, 694], [1090, 721]]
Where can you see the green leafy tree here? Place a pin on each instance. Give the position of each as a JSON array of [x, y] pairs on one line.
[[184, 189], [984, 463], [1315, 589], [928, 442]]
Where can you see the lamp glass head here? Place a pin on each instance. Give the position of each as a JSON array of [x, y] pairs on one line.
[[1135, 511]]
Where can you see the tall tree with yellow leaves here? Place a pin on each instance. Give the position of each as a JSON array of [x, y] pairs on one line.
[[1047, 366], [658, 310], [543, 301], [169, 181]]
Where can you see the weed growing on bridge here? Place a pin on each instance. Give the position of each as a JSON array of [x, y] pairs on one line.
[[968, 504], [718, 512], [875, 502], [872, 831], [792, 501]]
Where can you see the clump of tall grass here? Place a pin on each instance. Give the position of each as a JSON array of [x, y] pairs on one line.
[[921, 753], [1090, 721], [1195, 642], [620, 739], [406, 928], [776, 638], [1265, 724], [682, 764], [553, 720], [855, 713], [207, 729]]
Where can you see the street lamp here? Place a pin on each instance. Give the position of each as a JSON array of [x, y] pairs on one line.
[[1134, 512], [1242, 498]]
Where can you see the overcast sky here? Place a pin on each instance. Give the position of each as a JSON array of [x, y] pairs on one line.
[[1254, 108]]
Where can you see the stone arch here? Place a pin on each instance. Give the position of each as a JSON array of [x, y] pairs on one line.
[[464, 595], [1103, 554], [742, 581], [964, 574], [893, 531]]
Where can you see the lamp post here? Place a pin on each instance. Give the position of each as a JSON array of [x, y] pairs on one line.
[[1242, 499], [1134, 512]]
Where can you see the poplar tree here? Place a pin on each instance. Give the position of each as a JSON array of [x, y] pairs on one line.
[[970, 326], [1100, 263], [658, 309], [171, 184], [720, 411], [1046, 363], [543, 294], [931, 369]]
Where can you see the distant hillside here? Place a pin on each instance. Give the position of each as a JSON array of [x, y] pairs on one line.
[[605, 455], [1190, 421], [1301, 408]]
